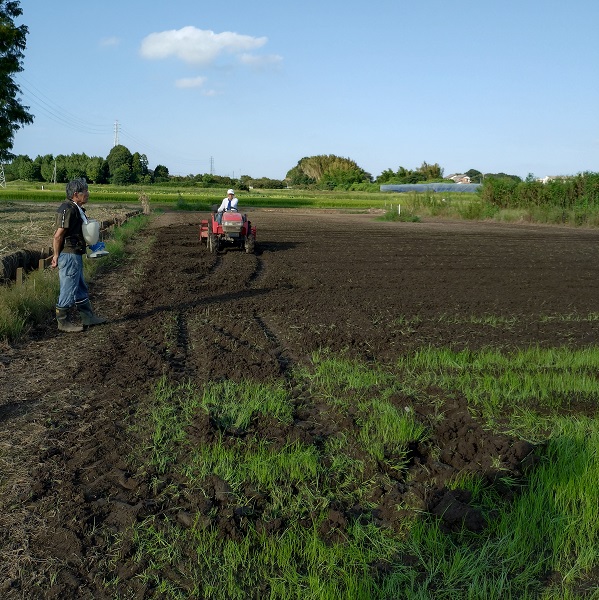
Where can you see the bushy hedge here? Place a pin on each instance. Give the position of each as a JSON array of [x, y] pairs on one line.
[[577, 192]]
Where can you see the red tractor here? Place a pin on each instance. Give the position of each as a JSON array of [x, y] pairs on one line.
[[233, 230]]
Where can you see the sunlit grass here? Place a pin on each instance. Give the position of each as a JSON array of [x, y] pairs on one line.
[[294, 563], [235, 405], [26, 305], [495, 381], [551, 525]]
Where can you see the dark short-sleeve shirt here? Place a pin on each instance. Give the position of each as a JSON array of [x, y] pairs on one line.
[[69, 217]]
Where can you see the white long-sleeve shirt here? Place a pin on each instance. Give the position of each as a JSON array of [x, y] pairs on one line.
[[224, 205]]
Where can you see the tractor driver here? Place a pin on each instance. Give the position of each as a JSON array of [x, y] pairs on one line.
[[228, 203]]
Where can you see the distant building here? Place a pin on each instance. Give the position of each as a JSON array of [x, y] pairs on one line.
[[460, 178], [549, 178]]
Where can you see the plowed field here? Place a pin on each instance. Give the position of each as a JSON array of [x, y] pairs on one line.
[[365, 289]]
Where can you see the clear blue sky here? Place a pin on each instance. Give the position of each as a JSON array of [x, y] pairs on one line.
[[250, 88]]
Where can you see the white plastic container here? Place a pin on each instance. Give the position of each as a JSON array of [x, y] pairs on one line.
[[91, 231]]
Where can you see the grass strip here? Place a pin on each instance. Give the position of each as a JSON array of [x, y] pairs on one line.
[[550, 530]]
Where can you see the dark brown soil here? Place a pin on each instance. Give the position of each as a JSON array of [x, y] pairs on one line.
[[318, 280]]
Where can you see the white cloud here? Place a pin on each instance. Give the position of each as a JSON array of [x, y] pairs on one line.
[[190, 82], [110, 41], [197, 46], [252, 60]]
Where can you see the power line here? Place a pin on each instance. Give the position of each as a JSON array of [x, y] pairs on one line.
[[144, 147], [57, 113], [60, 115]]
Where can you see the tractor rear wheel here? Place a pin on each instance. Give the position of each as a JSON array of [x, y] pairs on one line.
[[212, 243], [250, 244]]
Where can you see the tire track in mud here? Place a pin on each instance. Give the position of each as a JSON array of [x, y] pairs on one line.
[[232, 320], [283, 354], [251, 280]]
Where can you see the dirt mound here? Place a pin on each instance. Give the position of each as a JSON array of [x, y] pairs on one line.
[[318, 280]]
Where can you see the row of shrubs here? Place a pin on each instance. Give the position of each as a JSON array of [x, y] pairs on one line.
[[580, 192]]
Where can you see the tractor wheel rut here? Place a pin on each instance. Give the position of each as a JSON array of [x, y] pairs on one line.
[[72, 405]]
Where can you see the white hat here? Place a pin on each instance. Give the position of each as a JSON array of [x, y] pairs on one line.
[[230, 192]]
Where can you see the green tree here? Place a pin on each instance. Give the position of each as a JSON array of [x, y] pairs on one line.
[[431, 171], [13, 114], [386, 176], [328, 171], [76, 166], [22, 167], [118, 156], [139, 166], [46, 167], [297, 177], [121, 175], [96, 170], [475, 176], [61, 168], [160, 173]]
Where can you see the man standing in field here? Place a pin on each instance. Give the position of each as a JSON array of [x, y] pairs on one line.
[[68, 247]]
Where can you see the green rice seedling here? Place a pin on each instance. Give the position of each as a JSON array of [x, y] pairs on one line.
[[296, 563], [343, 470], [332, 377], [234, 404], [550, 526], [345, 373], [171, 325], [494, 321], [383, 429], [170, 415], [258, 463], [570, 318], [405, 325], [494, 379], [554, 524]]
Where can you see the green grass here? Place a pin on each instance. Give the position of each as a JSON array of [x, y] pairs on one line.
[[499, 383], [551, 526], [413, 206], [24, 306]]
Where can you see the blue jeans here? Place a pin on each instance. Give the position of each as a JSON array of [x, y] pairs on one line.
[[70, 275]]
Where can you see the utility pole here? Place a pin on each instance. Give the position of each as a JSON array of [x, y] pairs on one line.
[[54, 174], [2, 178], [212, 165], [116, 133]]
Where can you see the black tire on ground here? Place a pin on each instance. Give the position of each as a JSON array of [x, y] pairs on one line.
[[250, 244], [213, 243]]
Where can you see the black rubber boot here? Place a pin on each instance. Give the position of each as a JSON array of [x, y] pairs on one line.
[[88, 318], [62, 317]]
